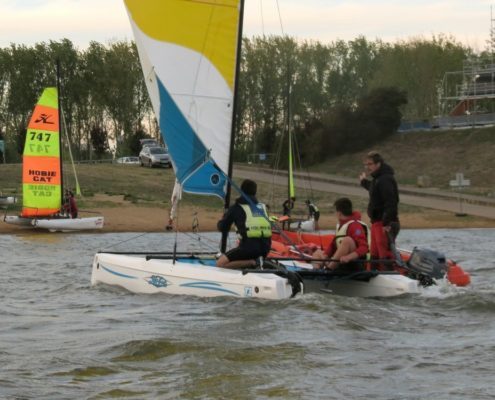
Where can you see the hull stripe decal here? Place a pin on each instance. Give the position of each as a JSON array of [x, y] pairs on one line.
[[118, 273]]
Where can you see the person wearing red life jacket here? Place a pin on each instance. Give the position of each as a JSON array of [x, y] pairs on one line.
[[351, 241]]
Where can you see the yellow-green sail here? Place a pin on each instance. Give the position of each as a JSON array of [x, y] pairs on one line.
[[41, 168]]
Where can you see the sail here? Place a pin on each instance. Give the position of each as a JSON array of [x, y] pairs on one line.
[[188, 52], [41, 168]]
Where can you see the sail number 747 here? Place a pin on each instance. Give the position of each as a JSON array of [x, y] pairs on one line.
[[40, 136]]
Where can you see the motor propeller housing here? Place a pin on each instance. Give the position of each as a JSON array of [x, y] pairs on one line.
[[428, 262]]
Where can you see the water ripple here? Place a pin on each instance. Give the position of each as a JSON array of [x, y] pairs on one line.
[[61, 338]]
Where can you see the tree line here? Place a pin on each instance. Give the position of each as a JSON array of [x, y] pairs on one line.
[[337, 97]]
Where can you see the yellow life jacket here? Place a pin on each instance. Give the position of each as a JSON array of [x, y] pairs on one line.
[[257, 223], [341, 233]]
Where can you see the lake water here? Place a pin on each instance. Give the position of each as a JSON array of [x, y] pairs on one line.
[[62, 339]]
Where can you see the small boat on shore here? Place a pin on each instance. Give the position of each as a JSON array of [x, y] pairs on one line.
[[42, 177], [7, 200]]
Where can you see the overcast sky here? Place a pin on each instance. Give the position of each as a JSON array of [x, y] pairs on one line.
[[469, 21]]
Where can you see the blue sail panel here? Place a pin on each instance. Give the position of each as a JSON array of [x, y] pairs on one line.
[[194, 168]]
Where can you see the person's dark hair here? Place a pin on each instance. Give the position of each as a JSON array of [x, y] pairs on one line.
[[375, 157], [344, 205], [249, 187]]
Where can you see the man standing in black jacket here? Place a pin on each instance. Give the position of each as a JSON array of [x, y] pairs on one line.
[[383, 204]]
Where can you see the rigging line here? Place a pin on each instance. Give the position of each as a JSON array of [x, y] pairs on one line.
[[262, 19], [176, 235], [192, 236], [305, 175], [78, 188], [277, 162], [280, 19], [125, 241], [197, 96]]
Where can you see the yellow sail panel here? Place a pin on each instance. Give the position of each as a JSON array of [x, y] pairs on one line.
[[41, 169], [42, 143], [209, 27]]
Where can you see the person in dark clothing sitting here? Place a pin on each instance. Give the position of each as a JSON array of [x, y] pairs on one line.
[[287, 207], [70, 206], [253, 229], [383, 206], [313, 213]]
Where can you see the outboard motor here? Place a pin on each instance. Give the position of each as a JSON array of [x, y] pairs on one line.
[[428, 263]]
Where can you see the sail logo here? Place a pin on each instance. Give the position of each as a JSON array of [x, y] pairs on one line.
[[40, 148], [42, 191], [44, 119], [42, 176], [214, 179]]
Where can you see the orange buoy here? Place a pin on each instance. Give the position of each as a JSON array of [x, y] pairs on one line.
[[457, 276]]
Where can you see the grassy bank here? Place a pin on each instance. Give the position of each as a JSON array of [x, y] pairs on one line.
[[436, 154]]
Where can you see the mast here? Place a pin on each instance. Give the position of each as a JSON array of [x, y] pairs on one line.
[[228, 192], [289, 131], [60, 133], [290, 176]]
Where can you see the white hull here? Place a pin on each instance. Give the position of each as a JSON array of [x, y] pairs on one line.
[[16, 220], [305, 226], [138, 275], [69, 224], [6, 200], [381, 285]]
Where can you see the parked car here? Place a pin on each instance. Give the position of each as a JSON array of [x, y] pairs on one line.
[[149, 143], [128, 160], [155, 156]]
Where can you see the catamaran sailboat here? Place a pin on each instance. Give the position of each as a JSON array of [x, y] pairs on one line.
[[190, 59], [42, 177]]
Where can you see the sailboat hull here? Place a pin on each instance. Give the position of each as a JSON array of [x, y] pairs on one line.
[[305, 226], [381, 285], [185, 277], [16, 220], [361, 284], [6, 200], [69, 224]]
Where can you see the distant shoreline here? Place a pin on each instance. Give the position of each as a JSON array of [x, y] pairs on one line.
[[134, 218]]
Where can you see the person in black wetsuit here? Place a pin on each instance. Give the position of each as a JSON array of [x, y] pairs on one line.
[[253, 229]]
